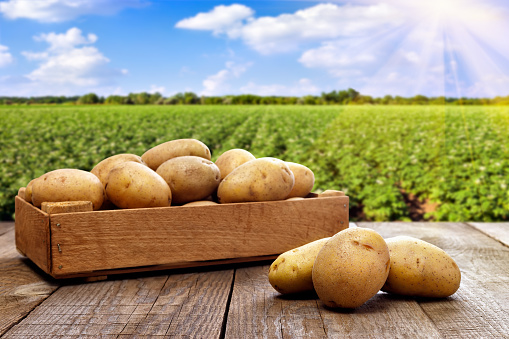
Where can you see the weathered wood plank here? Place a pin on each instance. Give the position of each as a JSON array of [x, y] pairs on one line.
[[32, 233], [6, 226], [497, 230], [103, 240], [22, 285], [257, 310], [182, 304], [480, 308]]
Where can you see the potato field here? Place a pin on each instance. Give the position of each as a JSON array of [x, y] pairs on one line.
[[394, 162]]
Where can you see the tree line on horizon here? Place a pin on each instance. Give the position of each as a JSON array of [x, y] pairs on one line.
[[341, 97]]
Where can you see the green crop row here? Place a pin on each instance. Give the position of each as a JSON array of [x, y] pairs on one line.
[[395, 162]]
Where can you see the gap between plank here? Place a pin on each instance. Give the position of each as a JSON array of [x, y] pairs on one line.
[[485, 233], [7, 329], [222, 334]]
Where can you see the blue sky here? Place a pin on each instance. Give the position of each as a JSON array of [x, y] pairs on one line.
[[378, 47]]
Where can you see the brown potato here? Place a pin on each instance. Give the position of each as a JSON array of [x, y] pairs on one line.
[[67, 185], [133, 185], [103, 168], [331, 193], [28, 191], [201, 203], [232, 159], [155, 156], [420, 269], [351, 268], [304, 180], [264, 179], [190, 178], [291, 271]]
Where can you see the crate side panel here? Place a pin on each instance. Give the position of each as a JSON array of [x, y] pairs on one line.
[[105, 240], [32, 233]]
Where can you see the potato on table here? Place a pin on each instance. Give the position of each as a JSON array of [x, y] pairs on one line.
[[67, 185], [351, 268], [291, 271], [155, 156], [264, 179], [133, 185], [420, 269], [190, 178]]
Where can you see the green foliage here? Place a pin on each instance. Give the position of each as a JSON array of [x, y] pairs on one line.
[[454, 157]]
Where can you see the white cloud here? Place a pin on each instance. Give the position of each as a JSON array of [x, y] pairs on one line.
[[221, 19], [156, 89], [69, 65], [68, 40], [63, 10], [5, 57], [218, 84], [288, 31], [303, 87]]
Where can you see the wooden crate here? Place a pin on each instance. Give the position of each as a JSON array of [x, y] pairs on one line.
[[99, 243]]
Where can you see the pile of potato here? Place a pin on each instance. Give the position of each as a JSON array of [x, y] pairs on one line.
[[177, 172], [348, 269]]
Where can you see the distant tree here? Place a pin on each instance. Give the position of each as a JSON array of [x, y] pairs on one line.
[[191, 98], [155, 97], [87, 99]]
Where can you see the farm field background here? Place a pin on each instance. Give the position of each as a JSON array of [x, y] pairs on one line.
[[441, 163]]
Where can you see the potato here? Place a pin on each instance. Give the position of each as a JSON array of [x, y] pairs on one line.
[[28, 191], [67, 185], [103, 168], [304, 180], [155, 156], [351, 268], [232, 159], [190, 178], [291, 271], [263, 179], [420, 269], [200, 203], [331, 193], [133, 185]]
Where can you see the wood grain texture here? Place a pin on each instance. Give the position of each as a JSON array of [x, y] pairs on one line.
[[189, 305], [66, 207], [480, 307], [99, 240], [257, 310], [6, 226], [22, 285], [32, 233], [497, 230]]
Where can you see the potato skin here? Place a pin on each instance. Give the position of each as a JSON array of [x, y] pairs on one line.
[[351, 268], [331, 193], [68, 184], [133, 185], [201, 203], [190, 178], [103, 168], [28, 191], [291, 271], [304, 180], [264, 179], [232, 159], [155, 156], [420, 269]]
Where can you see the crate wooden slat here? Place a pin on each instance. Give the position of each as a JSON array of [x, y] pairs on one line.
[[99, 243]]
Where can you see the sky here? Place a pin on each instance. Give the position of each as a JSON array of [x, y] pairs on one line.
[[453, 48]]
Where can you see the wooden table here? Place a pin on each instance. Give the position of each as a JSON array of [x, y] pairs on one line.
[[237, 301]]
